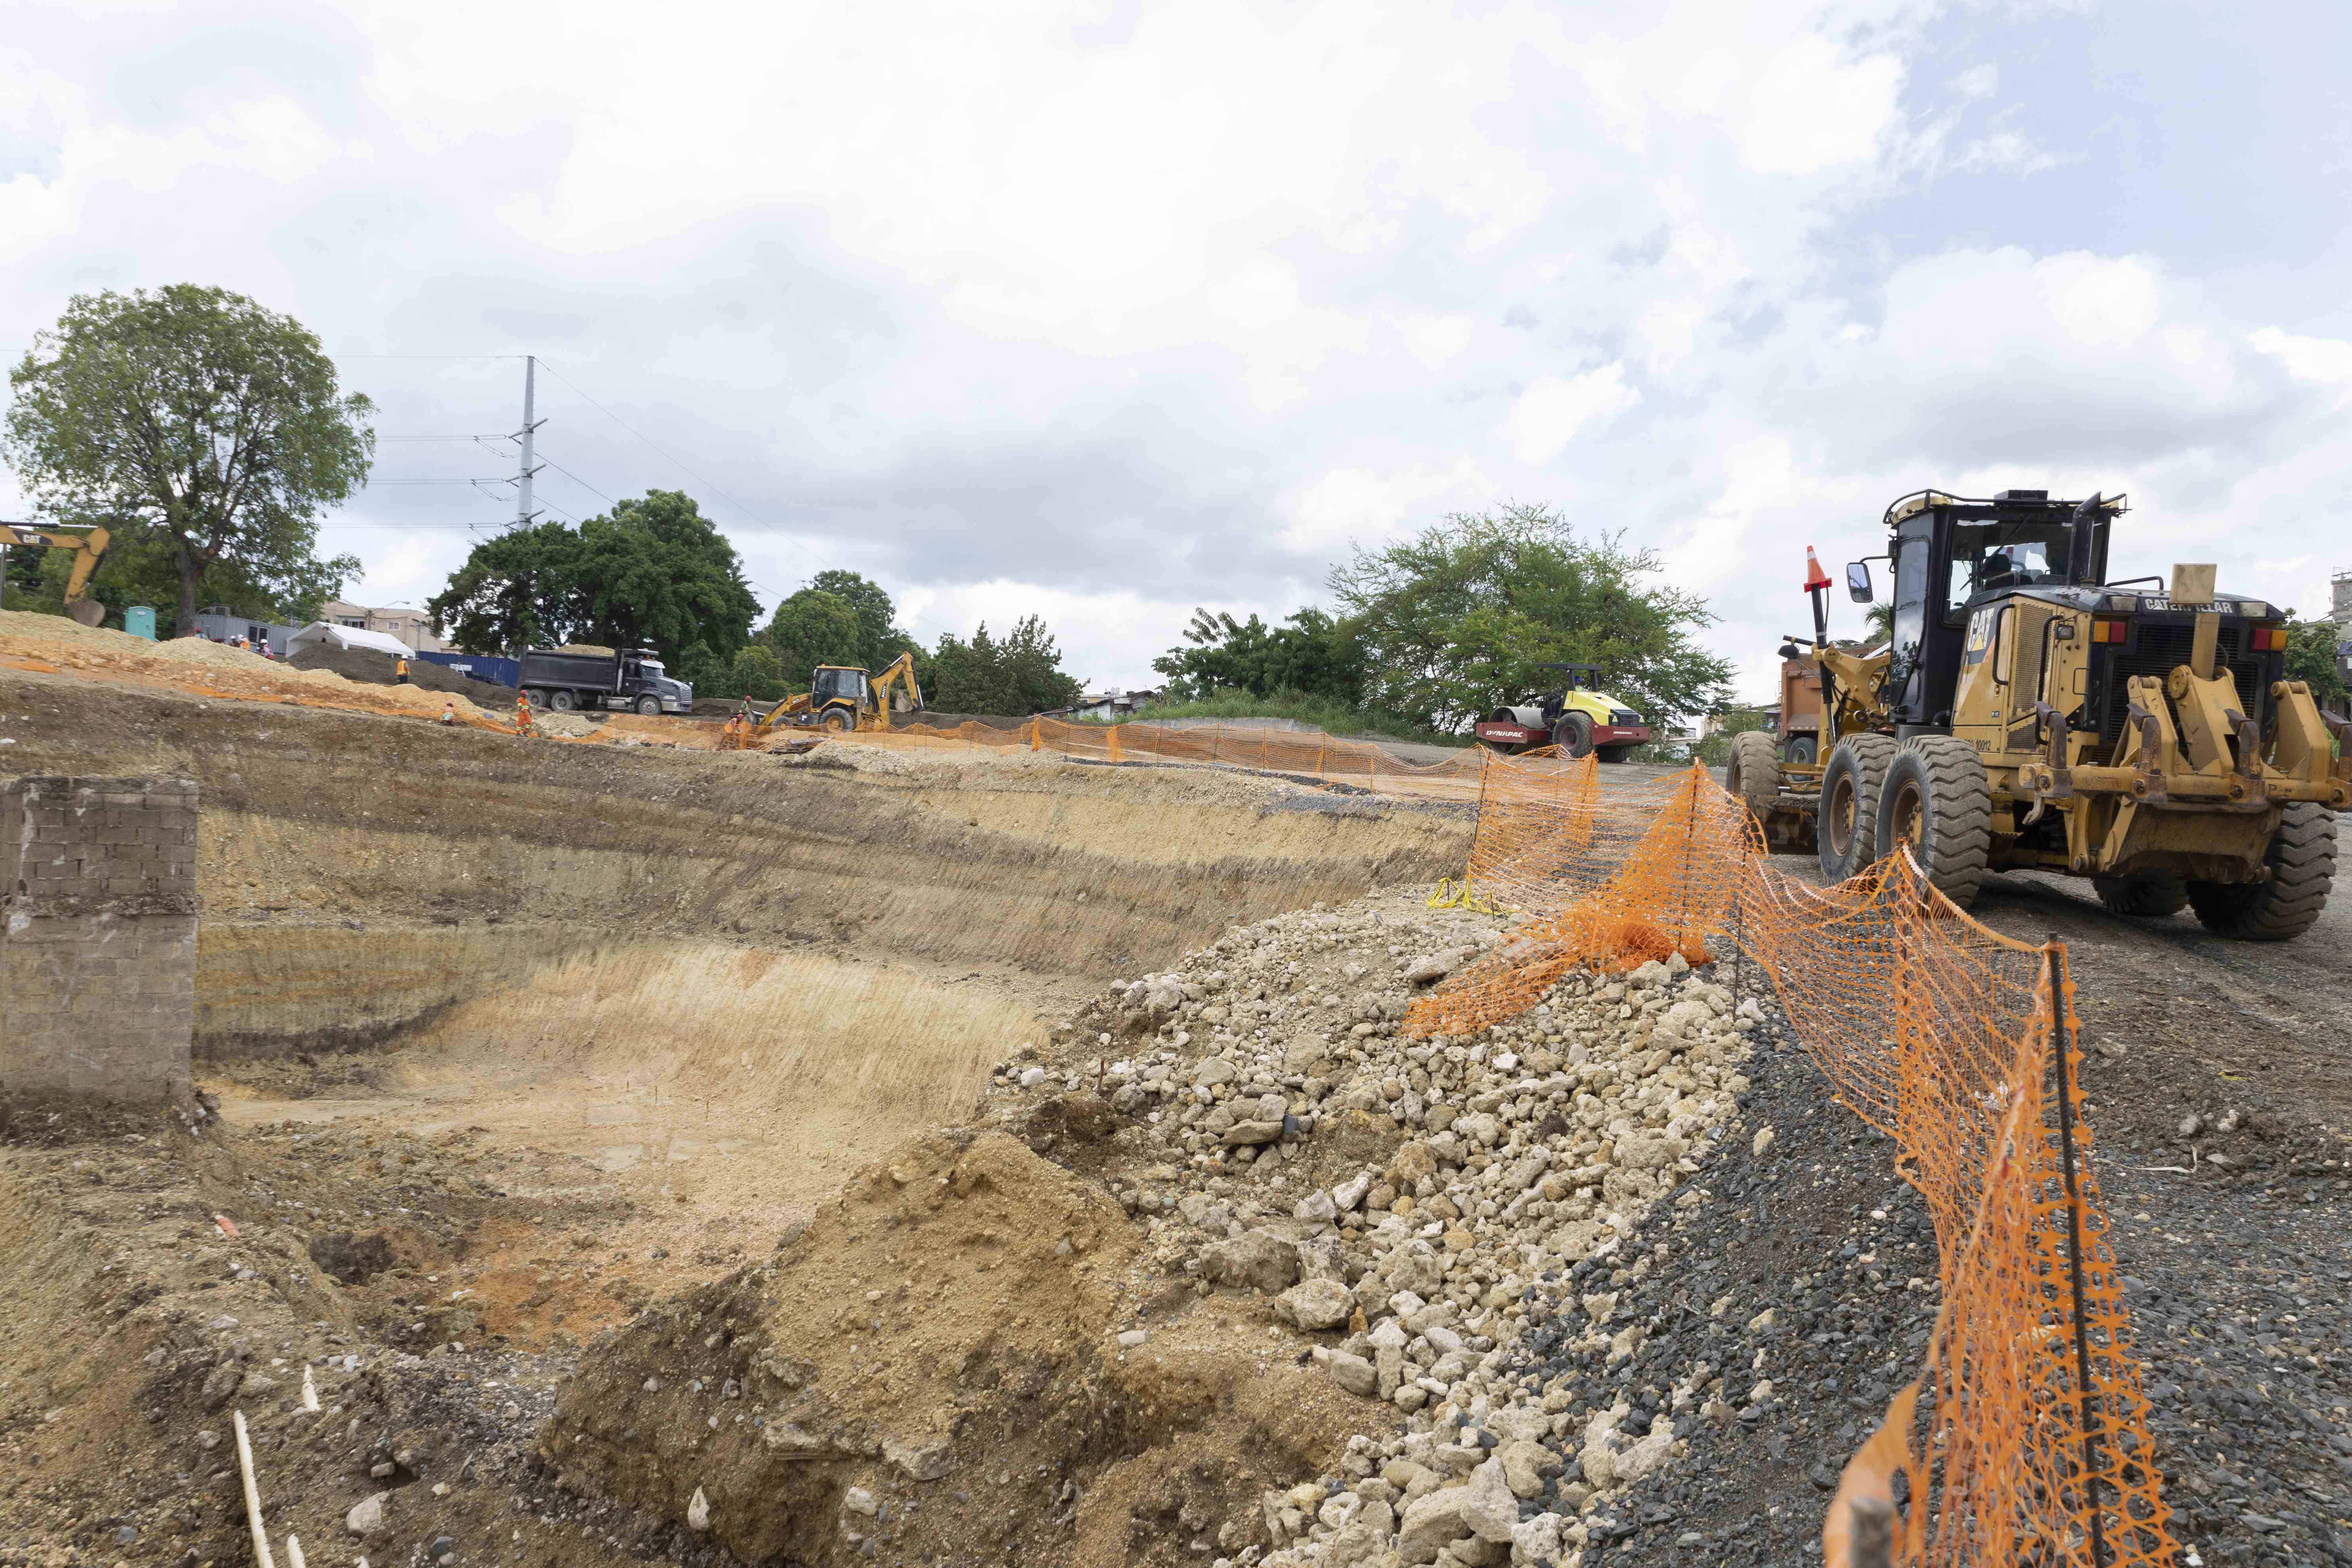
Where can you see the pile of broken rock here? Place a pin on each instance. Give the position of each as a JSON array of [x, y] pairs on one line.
[[1510, 1156]]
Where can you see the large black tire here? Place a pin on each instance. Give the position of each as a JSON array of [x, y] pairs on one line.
[[2148, 895], [1573, 735], [837, 721], [1800, 751], [1753, 773], [1937, 800], [2302, 861], [1847, 828], [560, 700], [648, 705]]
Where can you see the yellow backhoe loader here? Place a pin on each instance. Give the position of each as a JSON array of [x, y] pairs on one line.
[[2029, 714], [87, 540], [842, 698]]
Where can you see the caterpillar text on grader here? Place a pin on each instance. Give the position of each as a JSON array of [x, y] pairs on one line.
[[2027, 714]]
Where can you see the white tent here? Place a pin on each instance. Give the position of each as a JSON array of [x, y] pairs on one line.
[[333, 635]]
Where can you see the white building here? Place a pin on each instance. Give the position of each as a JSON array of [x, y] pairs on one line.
[[410, 625]]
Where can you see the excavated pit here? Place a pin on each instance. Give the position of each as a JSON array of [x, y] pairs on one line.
[[365, 877]]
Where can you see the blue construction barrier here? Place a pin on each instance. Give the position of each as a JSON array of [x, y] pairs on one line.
[[480, 665]]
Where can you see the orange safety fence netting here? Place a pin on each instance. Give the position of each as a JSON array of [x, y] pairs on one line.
[[2029, 1441]]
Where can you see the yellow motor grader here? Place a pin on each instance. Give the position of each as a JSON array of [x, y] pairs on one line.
[[2028, 714]]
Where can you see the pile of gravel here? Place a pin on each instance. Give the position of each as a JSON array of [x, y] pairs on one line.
[[1422, 1279]]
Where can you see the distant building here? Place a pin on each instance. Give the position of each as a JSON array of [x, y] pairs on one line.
[[219, 624], [410, 625], [1109, 705]]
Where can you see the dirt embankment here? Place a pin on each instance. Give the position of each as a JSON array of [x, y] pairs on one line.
[[361, 875], [382, 669]]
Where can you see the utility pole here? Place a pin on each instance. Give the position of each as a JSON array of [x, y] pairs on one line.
[[523, 512]]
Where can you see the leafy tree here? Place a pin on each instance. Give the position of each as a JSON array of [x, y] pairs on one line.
[[195, 415], [655, 574], [515, 590], [2310, 657], [807, 629], [1313, 655], [1455, 621], [815, 628], [1715, 749], [758, 674], [144, 570], [1017, 674]]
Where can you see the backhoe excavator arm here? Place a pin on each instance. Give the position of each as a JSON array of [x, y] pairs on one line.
[[901, 672], [87, 544]]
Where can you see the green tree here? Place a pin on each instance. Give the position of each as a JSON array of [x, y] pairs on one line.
[[1715, 749], [144, 570], [1457, 621], [196, 415], [655, 574], [813, 628], [758, 674], [2310, 657], [1017, 674], [1312, 656], [516, 590]]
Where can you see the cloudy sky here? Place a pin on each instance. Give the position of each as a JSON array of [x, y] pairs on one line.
[[1107, 311]]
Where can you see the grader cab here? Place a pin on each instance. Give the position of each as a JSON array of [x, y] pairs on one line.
[[2028, 714]]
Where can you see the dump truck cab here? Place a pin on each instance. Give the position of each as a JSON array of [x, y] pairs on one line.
[[2027, 713], [1577, 716]]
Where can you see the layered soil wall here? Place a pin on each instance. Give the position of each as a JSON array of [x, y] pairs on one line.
[[360, 876]]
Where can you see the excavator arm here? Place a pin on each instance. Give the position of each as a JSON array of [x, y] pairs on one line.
[[901, 673], [88, 543]]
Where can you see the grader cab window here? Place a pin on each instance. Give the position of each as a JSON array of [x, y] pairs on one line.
[[1991, 556]]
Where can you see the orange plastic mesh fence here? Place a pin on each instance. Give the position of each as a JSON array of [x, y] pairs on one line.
[[2030, 1443]]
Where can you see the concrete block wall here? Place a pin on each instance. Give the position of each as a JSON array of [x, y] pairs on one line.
[[98, 937]]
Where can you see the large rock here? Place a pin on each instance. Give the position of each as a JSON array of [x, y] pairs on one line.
[[1313, 1304], [366, 1516], [1252, 1134], [1641, 1458], [1256, 1259], [1355, 1374], [1359, 1545], [1435, 967], [1482, 1507], [1525, 1466]]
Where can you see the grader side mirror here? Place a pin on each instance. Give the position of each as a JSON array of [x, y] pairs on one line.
[[1857, 581]]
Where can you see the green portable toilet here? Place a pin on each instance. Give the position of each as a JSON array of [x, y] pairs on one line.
[[139, 620]]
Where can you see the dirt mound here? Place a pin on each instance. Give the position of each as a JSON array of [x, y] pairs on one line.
[[934, 1364], [377, 669]]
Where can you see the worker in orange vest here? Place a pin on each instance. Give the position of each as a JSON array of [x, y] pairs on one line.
[[400, 670], [522, 712]]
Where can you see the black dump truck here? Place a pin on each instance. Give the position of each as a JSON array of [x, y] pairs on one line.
[[630, 679]]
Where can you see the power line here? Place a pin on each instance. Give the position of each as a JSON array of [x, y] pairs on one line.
[[673, 457]]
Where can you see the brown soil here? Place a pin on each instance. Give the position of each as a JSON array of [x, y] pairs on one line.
[[942, 1339], [366, 664], [517, 1040]]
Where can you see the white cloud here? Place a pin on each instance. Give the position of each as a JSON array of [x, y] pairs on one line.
[[1360, 505], [1106, 312], [2322, 361], [1552, 412]]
